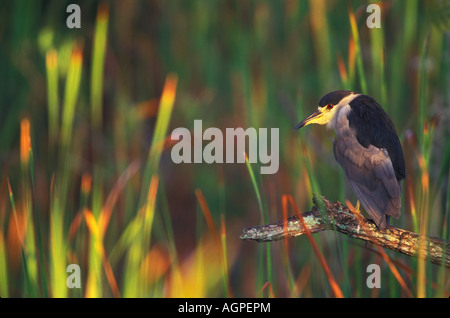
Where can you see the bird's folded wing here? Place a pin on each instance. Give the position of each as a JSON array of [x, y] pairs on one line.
[[372, 177]]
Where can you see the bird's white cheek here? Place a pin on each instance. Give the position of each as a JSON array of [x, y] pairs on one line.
[[340, 120]]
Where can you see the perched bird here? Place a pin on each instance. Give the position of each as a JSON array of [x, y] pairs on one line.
[[367, 148]]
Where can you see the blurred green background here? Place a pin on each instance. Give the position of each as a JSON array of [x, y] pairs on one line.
[[86, 172]]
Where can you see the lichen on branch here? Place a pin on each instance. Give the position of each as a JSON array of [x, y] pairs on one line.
[[336, 216]]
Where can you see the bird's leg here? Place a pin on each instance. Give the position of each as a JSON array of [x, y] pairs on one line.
[[359, 212], [352, 208], [355, 210]]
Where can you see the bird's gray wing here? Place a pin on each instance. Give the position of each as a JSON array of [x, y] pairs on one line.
[[371, 176]]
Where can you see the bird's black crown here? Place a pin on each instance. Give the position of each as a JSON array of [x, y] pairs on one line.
[[334, 97]]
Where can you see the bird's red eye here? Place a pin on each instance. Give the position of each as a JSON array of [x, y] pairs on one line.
[[330, 106]]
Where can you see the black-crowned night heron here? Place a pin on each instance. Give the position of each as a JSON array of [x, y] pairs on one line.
[[367, 148]]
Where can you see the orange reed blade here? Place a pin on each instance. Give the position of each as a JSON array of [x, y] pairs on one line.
[[25, 141], [209, 220], [383, 254], [334, 286], [266, 285]]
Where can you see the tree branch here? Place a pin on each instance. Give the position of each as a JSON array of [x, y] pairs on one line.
[[326, 215]]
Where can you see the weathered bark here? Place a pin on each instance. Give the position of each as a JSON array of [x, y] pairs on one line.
[[336, 216]]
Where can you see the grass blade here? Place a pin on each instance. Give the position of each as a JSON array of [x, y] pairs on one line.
[[359, 60], [219, 241], [53, 102], [334, 286], [162, 125]]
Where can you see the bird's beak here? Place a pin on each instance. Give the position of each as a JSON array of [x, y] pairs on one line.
[[308, 120]]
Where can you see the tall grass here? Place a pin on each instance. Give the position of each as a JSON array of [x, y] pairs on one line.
[[86, 174], [264, 219], [94, 284], [61, 177]]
